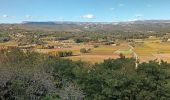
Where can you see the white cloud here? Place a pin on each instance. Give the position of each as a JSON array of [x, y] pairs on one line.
[[138, 15], [28, 16], [89, 16], [121, 5], [5, 16], [61, 19], [112, 9], [115, 18], [132, 20]]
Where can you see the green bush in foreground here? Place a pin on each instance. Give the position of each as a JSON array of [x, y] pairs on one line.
[[32, 76]]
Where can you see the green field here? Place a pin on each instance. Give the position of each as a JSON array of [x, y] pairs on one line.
[[124, 51], [150, 50], [11, 43]]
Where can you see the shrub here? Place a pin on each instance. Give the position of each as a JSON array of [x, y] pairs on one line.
[[65, 53], [96, 46], [84, 50]]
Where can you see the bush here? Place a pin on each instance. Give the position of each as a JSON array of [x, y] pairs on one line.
[[31, 76], [4, 39], [65, 53], [122, 56], [96, 46], [84, 50], [78, 40]]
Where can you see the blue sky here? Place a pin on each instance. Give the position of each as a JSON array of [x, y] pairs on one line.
[[16, 11]]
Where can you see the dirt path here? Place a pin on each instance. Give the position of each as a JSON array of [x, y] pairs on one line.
[[157, 57], [134, 55]]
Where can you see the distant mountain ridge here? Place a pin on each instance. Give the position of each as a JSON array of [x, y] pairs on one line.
[[78, 23], [69, 26], [63, 22]]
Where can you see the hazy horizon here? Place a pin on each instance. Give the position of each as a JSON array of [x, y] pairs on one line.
[[85, 21]]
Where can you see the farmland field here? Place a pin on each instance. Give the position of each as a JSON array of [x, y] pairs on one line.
[[151, 50], [11, 43], [148, 50], [96, 54]]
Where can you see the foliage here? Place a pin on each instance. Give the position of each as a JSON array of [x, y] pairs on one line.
[[65, 53], [4, 39], [84, 50], [32, 76], [96, 46]]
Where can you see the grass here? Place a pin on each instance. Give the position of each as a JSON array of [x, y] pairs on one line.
[[149, 49], [95, 55], [104, 50], [92, 58], [11, 43], [125, 52], [146, 51], [101, 53]]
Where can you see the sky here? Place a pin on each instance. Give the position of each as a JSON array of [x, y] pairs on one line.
[[17, 11]]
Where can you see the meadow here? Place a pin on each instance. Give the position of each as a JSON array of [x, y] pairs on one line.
[[98, 54], [148, 49], [151, 49]]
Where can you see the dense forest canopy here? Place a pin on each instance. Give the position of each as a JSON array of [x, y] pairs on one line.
[[33, 76]]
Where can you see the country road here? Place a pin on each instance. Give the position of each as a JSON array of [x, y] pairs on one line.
[[157, 57], [134, 55]]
